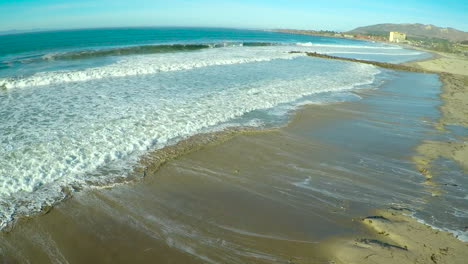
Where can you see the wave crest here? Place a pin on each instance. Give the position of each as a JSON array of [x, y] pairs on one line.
[[144, 65]]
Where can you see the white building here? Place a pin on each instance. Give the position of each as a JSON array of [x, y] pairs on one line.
[[397, 37]]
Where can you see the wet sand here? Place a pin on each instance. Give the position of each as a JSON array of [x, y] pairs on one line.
[[396, 237], [443, 62], [246, 197], [454, 75], [212, 205]]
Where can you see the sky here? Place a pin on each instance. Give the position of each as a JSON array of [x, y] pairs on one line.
[[337, 15]]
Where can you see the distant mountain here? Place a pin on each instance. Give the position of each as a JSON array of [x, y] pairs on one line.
[[414, 30]]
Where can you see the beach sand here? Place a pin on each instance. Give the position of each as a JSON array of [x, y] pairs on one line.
[[398, 238], [443, 62], [454, 110], [210, 199], [211, 205]]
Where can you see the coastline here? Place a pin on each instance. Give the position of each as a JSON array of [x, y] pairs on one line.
[[453, 72], [156, 162], [396, 236], [96, 225]]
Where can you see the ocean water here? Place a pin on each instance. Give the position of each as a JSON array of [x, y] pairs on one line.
[[79, 108]]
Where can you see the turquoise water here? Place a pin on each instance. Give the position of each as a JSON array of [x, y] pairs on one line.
[[79, 108], [40, 51]]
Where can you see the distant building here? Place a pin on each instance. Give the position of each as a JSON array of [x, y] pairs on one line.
[[370, 37], [397, 37]]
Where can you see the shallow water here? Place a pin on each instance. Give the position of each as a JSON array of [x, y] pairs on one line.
[[82, 108], [79, 108], [264, 197]]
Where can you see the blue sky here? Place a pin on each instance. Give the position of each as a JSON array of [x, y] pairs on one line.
[[338, 15]]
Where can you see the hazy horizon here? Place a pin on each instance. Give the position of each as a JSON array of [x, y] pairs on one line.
[[337, 15], [32, 30]]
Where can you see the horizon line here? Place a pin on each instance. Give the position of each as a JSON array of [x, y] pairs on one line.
[[38, 30]]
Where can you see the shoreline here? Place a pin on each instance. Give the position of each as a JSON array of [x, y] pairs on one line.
[[386, 65], [399, 237], [454, 112], [388, 222], [158, 159], [159, 174]]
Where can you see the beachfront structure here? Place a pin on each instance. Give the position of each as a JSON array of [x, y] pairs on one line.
[[397, 37]]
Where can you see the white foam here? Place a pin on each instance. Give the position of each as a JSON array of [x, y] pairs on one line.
[[310, 44], [232, 53], [305, 44], [151, 64], [460, 213], [91, 133], [50, 56], [459, 234]]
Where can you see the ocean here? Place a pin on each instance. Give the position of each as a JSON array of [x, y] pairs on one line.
[[80, 108]]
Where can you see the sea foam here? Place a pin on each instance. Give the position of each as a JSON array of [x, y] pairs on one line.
[[151, 64], [176, 58], [79, 134]]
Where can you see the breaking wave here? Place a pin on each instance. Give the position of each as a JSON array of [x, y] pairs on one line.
[[151, 64], [68, 135], [147, 49]]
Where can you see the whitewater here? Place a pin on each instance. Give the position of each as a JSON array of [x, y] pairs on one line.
[[82, 117]]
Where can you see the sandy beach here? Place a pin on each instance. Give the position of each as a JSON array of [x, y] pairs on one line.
[[237, 132], [399, 238], [454, 76], [236, 197]]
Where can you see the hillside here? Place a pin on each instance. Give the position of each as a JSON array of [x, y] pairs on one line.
[[415, 31]]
